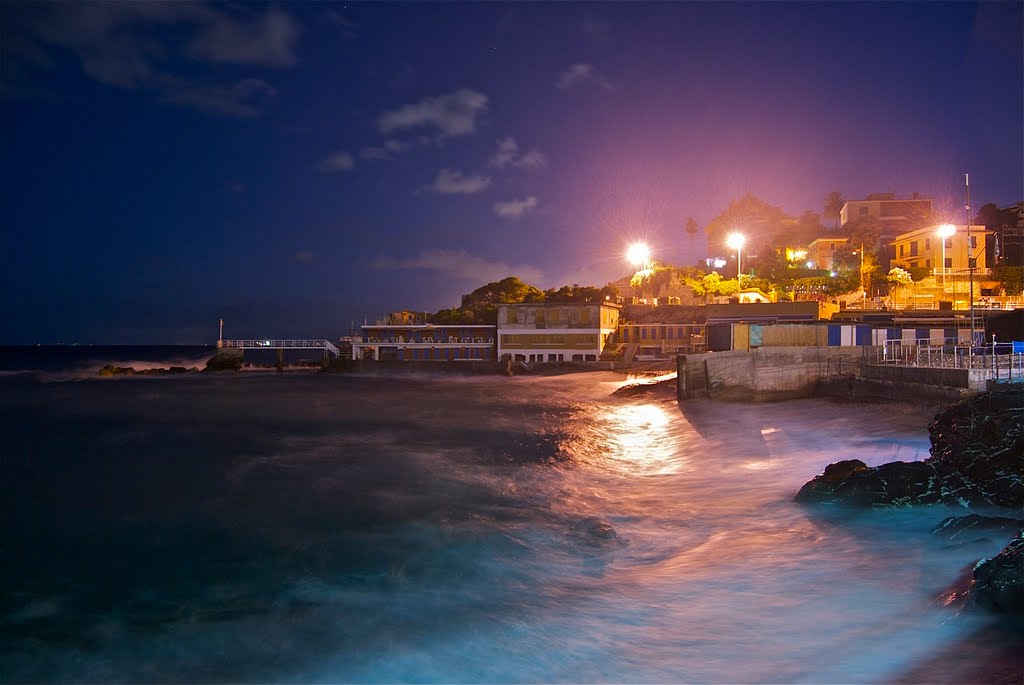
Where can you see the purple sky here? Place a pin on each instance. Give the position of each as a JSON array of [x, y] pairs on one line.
[[296, 167]]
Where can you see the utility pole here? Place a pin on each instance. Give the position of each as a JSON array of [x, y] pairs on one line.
[[970, 255]]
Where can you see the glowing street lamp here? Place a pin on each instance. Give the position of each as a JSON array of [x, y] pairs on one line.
[[945, 231], [735, 241], [639, 255]]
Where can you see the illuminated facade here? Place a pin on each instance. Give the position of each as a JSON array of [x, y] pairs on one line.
[[923, 248], [425, 342], [658, 340], [821, 252], [554, 332]]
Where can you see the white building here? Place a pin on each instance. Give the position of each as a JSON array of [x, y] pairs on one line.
[[554, 332]]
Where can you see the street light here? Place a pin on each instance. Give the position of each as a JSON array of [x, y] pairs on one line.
[[735, 241], [945, 231], [639, 255]]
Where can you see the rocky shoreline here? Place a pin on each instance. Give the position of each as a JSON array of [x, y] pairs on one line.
[[977, 462]]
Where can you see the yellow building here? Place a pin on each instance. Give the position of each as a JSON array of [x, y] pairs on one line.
[[555, 332], [821, 252], [926, 248]]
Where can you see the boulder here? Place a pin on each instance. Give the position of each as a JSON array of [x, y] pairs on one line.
[[961, 530], [977, 458], [227, 359], [853, 482], [998, 583], [111, 370]]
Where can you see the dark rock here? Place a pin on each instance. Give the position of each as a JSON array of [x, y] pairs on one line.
[[976, 528], [225, 360], [998, 583], [853, 482], [977, 459], [111, 370]]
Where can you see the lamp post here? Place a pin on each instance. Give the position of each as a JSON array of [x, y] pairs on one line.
[[735, 241], [944, 232]]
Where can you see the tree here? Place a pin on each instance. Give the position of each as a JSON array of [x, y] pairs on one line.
[[1011, 278], [712, 284], [578, 293], [866, 231], [900, 278], [757, 220], [691, 228], [481, 305], [834, 202]]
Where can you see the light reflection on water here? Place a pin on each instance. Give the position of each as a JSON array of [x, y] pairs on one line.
[[453, 531]]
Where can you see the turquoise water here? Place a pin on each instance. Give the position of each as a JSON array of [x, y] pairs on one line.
[[331, 528]]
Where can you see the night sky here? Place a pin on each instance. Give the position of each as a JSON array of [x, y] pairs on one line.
[[297, 167]]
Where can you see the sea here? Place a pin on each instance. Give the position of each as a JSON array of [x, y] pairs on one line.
[[302, 527]]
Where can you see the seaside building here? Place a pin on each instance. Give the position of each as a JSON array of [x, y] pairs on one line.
[[924, 248], [957, 263], [554, 332], [425, 342], [895, 215], [821, 252], [643, 341]]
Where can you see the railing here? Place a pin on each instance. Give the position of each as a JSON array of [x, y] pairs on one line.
[[326, 345], [1005, 360], [960, 272]]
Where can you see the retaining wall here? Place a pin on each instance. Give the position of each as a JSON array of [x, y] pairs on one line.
[[767, 373]]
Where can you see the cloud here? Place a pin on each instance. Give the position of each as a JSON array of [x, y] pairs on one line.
[[582, 74], [245, 98], [451, 115], [508, 155], [339, 161], [459, 264], [262, 40], [147, 45], [448, 182], [513, 209], [389, 150]]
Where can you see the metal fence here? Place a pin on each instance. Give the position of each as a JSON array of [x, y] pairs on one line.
[[1004, 360], [294, 344]]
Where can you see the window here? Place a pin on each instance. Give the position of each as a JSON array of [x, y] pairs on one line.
[[540, 317], [974, 242], [864, 211], [927, 243], [832, 247], [553, 316], [903, 250], [949, 263], [913, 249], [585, 315], [949, 242], [513, 315]]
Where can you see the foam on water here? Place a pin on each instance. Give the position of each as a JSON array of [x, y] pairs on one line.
[[339, 529]]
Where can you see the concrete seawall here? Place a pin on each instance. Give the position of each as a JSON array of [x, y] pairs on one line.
[[768, 373]]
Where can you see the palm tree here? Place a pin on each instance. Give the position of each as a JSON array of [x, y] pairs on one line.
[[691, 228], [834, 202]]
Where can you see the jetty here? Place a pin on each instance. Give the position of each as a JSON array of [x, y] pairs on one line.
[[327, 346]]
